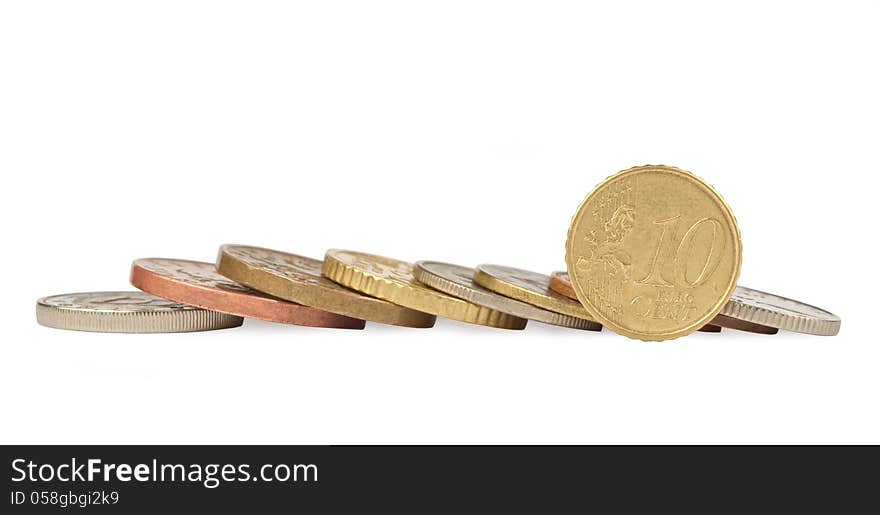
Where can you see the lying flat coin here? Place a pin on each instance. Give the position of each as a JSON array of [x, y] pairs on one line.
[[529, 287], [198, 284], [561, 284], [774, 311], [458, 281], [298, 279], [654, 253], [393, 281], [127, 312]]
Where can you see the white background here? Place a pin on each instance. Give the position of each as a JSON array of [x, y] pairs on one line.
[[466, 132]]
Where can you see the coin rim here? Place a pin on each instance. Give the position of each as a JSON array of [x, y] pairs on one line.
[[717, 307]]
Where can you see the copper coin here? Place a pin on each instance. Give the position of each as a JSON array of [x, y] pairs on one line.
[[198, 284], [561, 284]]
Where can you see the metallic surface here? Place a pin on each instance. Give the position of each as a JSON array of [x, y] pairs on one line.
[[298, 279], [775, 311], [127, 312], [529, 287], [393, 281], [561, 284], [198, 284], [458, 281], [654, 253]]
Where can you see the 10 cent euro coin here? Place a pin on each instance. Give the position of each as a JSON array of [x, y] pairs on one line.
[[654, 253]]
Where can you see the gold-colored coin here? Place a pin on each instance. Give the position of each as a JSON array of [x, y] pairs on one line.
[[298, 279], [654, 253], [393, 280], [527, 286]]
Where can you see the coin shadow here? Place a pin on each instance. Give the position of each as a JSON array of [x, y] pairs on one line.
[[547, 333], [559, 334], [255, 326], [262, 327]]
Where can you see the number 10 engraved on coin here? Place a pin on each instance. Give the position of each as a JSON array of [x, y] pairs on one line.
[[654, 253]]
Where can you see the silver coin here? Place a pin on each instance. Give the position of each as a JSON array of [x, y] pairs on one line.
[[458, 281], [127, 312], [775, 311]]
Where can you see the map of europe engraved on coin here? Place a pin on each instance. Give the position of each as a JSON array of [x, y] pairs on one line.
[[605, 260]]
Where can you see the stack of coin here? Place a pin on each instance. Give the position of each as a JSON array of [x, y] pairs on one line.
[[298, 279], [394, 281], [198, 284], [653, 253], [459, 281]]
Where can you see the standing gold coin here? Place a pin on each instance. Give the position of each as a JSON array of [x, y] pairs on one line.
[[393, 280], [530, 287], [298, 279], [654, 253]]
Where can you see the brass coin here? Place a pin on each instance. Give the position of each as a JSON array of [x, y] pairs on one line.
[[298, 279], [393, 280], [561, 284], [654, 253], [527, 286]]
